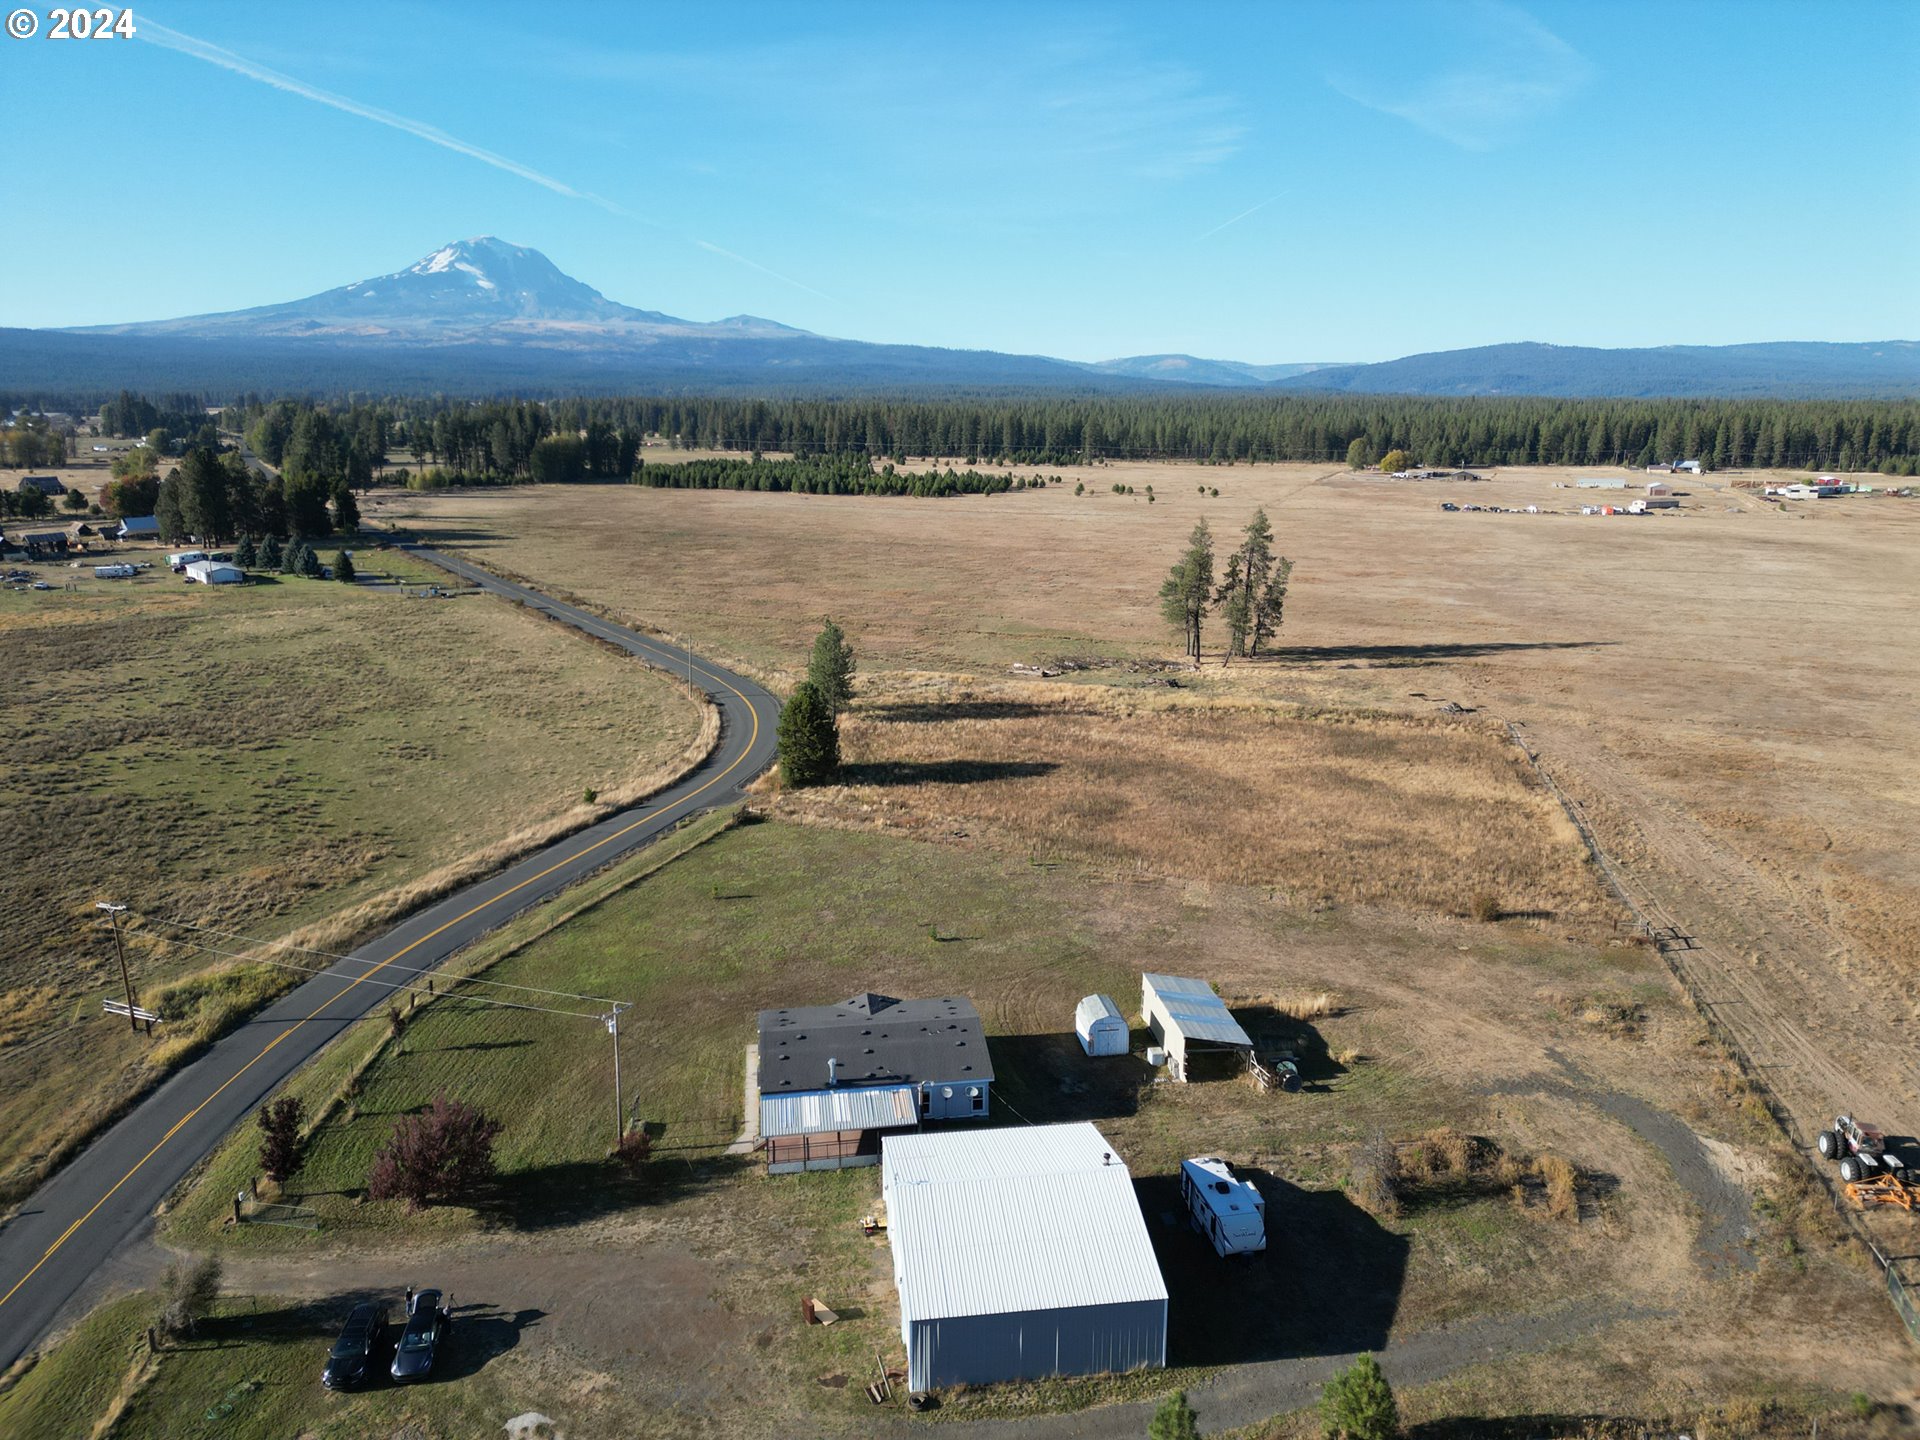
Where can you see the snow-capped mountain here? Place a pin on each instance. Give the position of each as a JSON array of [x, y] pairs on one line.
[[477, 289]]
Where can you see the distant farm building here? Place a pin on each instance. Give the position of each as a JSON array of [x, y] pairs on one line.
[[50, 485], [1658, 488], [215, 572], [832, 1078], [1686, 467], [1661, 469], [139, 527], [1598, 483], [1020, 1253], [46, 545], [1101, 1027], [1194, 1026]]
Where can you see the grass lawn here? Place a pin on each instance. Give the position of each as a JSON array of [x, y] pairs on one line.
[[69, 1389], [296, 754]]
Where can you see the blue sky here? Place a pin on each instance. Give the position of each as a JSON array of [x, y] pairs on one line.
[[1265, 182]]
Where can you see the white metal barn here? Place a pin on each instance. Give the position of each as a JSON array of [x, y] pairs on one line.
[[1019, 1253], [1194, 1025], [215, 572], [1100, 1025]]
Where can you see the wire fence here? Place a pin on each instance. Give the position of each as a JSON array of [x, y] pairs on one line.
[[1672, 948]]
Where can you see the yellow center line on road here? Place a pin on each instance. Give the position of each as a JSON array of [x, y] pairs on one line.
[[752, 737]]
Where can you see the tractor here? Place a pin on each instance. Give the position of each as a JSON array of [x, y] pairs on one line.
[[1861, 1150]]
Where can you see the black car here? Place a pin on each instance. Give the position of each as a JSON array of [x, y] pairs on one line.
[[419, 1344], [356, 1354]]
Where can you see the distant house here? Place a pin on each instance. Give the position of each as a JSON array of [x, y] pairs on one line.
[[833, 1078], [215, 572], [139, 527], [1661, 469], [1686, 467], [1657, 488], [1199, 1033], [51, 485], [47, 545]]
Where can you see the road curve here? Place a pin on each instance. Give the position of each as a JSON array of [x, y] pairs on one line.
[[72, 1224]]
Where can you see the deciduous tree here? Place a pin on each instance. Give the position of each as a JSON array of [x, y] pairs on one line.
[[440, 1156], [282, 1149]]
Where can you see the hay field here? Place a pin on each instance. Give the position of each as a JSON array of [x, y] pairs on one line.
[[1727, 688], [261, 760]]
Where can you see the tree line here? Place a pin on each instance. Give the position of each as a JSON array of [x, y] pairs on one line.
[[826, 475], [499, 438]]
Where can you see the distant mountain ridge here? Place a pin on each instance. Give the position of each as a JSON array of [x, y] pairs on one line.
[[1807, 368], [482, 316]]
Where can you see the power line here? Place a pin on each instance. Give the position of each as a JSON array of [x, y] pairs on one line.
[[402, 985], [331, 955]]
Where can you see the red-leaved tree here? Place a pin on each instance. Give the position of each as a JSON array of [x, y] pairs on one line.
[[281, 1148], [444, 1154]]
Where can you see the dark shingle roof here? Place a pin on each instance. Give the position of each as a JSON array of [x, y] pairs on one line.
[[876, 1040]]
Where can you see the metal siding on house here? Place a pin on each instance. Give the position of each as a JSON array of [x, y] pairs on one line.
[[813, 1112]]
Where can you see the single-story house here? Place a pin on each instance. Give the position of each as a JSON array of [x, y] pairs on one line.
[[46, 545], [1193, 1024], [832, 1078], [1655, 487], [139, 527], [215, 572], [1686, 467], [51, 485], [1020, 1253], [185, 557]]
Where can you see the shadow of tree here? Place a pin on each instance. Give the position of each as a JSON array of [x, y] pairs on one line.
[[1420, 654], [941, 772], [933, 712], [545, 1197]]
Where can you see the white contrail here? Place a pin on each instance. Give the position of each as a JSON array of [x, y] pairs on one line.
[[158, 34], [764, 270], [1238, 218]]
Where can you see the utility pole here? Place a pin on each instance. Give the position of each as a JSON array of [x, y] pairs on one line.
[[119, 949], [612, 1019]]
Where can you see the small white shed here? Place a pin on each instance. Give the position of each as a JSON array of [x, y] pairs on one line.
[[1656, 487], [1100, 1025]]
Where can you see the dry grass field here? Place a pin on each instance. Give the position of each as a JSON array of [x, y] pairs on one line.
[[1727, 689], [292, 756], [1504, 1062]]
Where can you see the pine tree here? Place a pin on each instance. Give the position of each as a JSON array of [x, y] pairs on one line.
[[246, 557], [809, 737], [343, 567], [1358, 1404], [1188, 588], [1270, 608], [290, 557], [346, 511], [270, 553], [1174, 1420], [310, 565], [830, 669], [1239, 597]]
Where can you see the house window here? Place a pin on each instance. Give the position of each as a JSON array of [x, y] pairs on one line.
[[926, 1102], [979, 1098]]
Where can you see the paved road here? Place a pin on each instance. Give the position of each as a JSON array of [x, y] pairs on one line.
[[73, 1224]]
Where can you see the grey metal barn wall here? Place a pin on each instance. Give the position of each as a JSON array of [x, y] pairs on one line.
[[1030, 1345]]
